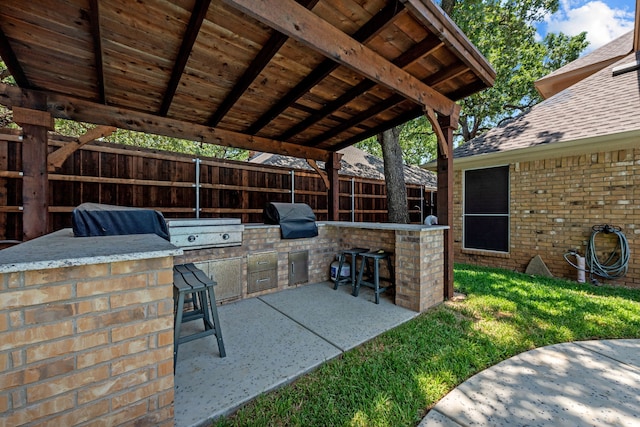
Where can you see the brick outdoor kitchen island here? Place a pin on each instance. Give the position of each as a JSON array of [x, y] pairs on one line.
[[86, 324]]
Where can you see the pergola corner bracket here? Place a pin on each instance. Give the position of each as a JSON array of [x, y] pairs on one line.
[[443, 144], [58, 157]]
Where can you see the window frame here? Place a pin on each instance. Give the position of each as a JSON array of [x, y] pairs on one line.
[[506, 215]]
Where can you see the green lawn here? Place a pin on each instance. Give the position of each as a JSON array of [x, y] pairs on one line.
[[395, 378]]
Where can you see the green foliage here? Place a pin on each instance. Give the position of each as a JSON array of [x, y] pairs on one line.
[[393, 379], [6, 116], [505, 34], [155, 142], [417, 141]]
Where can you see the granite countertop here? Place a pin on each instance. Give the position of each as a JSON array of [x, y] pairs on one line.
[[62, 249], [366, 225], [384, 226]]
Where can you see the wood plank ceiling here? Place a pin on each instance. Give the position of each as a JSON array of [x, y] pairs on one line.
[[318, 74]]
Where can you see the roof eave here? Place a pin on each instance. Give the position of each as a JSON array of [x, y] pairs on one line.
[[438, 22], [553, 84], [600, 143]]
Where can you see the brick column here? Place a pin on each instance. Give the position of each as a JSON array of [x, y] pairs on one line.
[[419, 269], [89, 342]]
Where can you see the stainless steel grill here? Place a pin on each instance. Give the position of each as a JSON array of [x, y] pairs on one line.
[[200, 233]]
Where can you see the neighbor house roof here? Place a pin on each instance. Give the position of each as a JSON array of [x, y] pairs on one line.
[[601, 112], [585, 66], [355, 162]]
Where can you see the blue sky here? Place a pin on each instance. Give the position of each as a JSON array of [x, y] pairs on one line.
[[604, 20]]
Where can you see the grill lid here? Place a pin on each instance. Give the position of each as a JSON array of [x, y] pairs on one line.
[[95, 219], [296, 220]]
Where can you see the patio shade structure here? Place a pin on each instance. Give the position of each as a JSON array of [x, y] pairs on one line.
[[302, 78]]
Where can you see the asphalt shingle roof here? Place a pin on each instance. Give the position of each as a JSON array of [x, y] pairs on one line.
[[601, 104], [618, 47], [355, 162]]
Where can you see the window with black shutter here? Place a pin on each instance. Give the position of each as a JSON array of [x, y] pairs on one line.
[[486, 209]]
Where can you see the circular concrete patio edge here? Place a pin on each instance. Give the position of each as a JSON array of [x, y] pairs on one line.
[[579, 383]]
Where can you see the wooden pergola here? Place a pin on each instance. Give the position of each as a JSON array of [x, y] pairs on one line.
[[303, 78]]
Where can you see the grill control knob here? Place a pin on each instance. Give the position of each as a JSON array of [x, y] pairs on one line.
[[191, 238], [225, 236]]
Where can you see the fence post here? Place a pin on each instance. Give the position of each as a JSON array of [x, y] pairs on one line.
[[293, 186], [197, 186], [353, 199], [421, 203]]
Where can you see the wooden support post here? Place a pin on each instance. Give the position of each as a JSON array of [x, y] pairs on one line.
[[333, 195], [445, 198], [35, 183]]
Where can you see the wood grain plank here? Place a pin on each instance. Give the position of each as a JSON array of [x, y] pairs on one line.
[[319, 35]]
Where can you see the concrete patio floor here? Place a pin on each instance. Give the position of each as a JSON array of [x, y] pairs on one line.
[[270, 341]]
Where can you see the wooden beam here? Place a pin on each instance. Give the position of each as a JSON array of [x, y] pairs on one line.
[[358, 118], [270, 48], [380, 107], [372, 27], [445, 199], [189, 38], [399, 120], [290, 18], [434, 18], [420, 50], [57, 158], [29, 116], [70, 108], [11, 61], [35, 125], [94, 19], [333, 195]]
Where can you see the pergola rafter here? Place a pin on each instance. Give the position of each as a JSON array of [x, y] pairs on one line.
[[303, 78]]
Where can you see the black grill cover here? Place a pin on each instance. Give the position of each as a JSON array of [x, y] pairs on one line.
[[296, 220], [93, 219]]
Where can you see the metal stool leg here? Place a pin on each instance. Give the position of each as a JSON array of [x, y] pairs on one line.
[[336, 281], [356, 288], [376, 279], [354, 263]]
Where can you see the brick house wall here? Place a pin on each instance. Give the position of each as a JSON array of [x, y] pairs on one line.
[[555, 202], [88, 344]]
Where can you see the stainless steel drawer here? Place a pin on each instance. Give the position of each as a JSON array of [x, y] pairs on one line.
[[262, 261], [262, 280]]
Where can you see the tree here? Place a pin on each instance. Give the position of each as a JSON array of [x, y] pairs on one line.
[[504, 31], [394, 176], [156, 142]]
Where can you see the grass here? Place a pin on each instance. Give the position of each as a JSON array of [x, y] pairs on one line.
[[394, 379]]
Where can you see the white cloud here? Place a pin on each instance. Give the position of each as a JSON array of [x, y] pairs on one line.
[[601, 22]]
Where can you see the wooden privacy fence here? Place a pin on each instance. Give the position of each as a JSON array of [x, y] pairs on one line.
[[180, 185]]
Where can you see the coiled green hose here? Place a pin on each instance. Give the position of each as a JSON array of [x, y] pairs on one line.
[[617, 264]]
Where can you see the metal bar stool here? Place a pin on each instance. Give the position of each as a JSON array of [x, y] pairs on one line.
[[188, 280], [340, 279], [375, 257]]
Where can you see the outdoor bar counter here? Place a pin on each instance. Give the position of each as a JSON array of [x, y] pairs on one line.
[[86, 323]]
